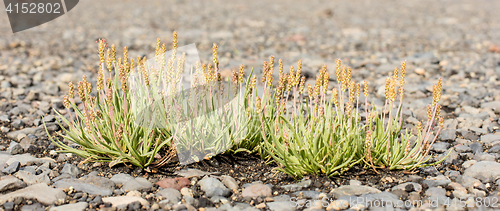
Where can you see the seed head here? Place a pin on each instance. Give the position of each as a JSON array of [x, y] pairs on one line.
[[309, 91], [109, 60], [102, 45], [338, 72], [438, 111], [335, 96], [265, 69], [242, 74], [348, 75], [429, 113], [419, 126], [174, 41], [368, 139], [396, 73], [113, 53], [326, 79], [301, 85], [403, 73], [100, 79], [344, 78], [358, 90], [387, 88], [81, 90], [407, 148], [258, 104], [234, 77], [215, 57], [365, 86], [299, 72], [280, 65], [132, 65], [441, 122], [71, 90], [352, 91], [66, 102], [109, 96]]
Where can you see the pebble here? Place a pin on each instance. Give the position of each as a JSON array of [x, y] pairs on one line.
[[176, 183], [80, 206], [41, 192], [14, 148], [210, 182], [486, 171], [91, 184], [123, 201], [257, 190], [12, 168], [8, 183], [297, 186], [70, 169], [139, 183], [349, 190]]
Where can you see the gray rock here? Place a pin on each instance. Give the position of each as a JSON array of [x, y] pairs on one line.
[[217, 191], [486, 171], [484, 157], [121, 178], [31, 178], [462, 149], [354, 182], [14, 148], [91, 184], [437, 194], [139, 184], [495, 105], [121, 202], [12, 168], [256, 190], [476, 147], [350, 190], [33, 207], [229, 182], [4, 118], [281, 206], [282, 198], [467, 182], [387, 199], [172, 195], [210, 182], [448, 135], [80, 206], [440, 180], [494, 149], [297, 186], [310, 194], [41, 192], [17, 123], [440, 146], [489, 138], [10, 183], [70, 169], [190, 173], [403, 186]]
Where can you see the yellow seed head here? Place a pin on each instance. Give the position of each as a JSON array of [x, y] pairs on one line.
[[335, 96], [301, 86], [344, 78], [102, 44], [71, 89], [132, 65], [441, 122], [387, 88], [100, 79], [66, 102], [215, 57], [338, 72], [81, 90], [241, 74], [309, 91], [365, 86], [396, 73], [429, 113], [109, 60], [258, 103], [280, 65], [403, 73], [352, 91], [358, 90], [113, 53], [326, 80]]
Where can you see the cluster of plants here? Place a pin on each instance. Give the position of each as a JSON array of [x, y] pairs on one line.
[[140, 113]]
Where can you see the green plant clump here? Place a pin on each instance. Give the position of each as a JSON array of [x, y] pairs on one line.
[[324, 131]]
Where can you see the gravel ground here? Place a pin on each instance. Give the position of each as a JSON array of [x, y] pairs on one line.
[[455, 40]]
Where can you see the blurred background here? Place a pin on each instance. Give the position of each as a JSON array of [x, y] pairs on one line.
[[437, 38]]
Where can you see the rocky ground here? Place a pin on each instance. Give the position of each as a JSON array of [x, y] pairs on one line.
[[455, 40]]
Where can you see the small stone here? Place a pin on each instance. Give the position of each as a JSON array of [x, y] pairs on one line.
[[123, 201], [12, 168], [486, 171], [172, 195], [280, 206], [70, 169], [15, 148], [339, 204], [257, 190], [138, 183], [80, 206], [489, 138], [10, 183], [187, 192], [420, 71], [448, 135], [354, 182], [210, 182], [121, 178], [409, 187], [41, 192], [440, 180], [350, 190], [469, 163], [229, 182], [176, 183], [91, 184], [260, 206], [190, 173], [476, 147], [297, 186], [217, 191]]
